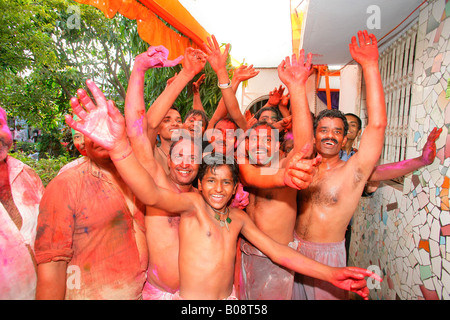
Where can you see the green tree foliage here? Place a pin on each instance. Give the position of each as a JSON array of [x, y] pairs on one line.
[[48, 48]]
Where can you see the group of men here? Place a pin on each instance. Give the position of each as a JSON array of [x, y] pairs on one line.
[[140, 219]]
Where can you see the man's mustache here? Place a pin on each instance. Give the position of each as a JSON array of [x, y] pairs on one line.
[[329, 139]]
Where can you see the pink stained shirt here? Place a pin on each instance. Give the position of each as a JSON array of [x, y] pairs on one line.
[[17, 267], [85, 220]]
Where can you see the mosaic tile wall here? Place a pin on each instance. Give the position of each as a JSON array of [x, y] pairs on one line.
[[405, 232]]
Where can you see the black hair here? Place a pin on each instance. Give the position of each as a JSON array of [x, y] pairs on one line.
[[197, 112], [269, 108], [198, 147], [358, 119], [226, 119], [215, 159], [331, 113]]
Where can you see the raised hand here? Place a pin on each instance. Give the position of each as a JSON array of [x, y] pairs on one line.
[[299, 172], [102, 123], [240, 199], [284, 101], [244, 72], [196, 84], [352, 279], [284, 124], [194, 61], [366, 52], [216, 58], [429, 149], [155, 57], [275, 96], [295, 71]]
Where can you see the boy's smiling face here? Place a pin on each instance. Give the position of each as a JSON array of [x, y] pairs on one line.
[[217, 186]]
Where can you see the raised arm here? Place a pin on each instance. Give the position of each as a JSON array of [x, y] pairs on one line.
[[218, 59], [197, 101], [297, 173], [193, 62], [104, 124], [398, 169], [294, 73], [136, 121], [349, 278], [372, 140], [240, 74]]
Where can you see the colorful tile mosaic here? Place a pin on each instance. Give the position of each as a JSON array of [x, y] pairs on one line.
[[405, 231]]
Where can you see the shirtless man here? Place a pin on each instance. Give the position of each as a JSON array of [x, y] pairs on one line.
[[326, 207], [274, 210], [208, 228], [162, 230]]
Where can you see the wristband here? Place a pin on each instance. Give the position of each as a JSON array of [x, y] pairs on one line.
[[125, 155], [224, 86]]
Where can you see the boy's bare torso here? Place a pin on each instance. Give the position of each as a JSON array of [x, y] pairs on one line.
[[207, 253]]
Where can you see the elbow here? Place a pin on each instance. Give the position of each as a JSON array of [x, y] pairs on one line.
[[380, 124]]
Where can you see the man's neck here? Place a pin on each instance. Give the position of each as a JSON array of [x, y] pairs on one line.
[[348, 146], [182, 187], [330, 162], [165, 145]]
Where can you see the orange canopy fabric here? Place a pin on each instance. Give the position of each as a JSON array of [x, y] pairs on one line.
[[151, 29], [179, 18]]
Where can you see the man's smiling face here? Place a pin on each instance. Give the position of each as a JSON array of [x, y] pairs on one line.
[[329, 136]]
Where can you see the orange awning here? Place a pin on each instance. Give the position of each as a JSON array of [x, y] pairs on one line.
[[179, 18], [151, 29]]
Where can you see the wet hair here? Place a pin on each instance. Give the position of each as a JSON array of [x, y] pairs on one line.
[[214, 160], [358, 119], [260, 124], [198, 147], [331, 113], [226, 119], [175, 108], [273, 109], [201, 113]]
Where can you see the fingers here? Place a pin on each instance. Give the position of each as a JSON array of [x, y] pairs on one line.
[[113, 112], [308, 64], [434, 134], [201, 79], [85, 100], [172, 63], [359, 273], [374, 39], [360, 288], [96, 93], [361, 38], [77, 108], [72, 123]]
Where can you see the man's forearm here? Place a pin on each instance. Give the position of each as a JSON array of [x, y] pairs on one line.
[[395, 170]]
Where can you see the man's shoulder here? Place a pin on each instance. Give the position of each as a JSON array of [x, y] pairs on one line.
[[70, 176]]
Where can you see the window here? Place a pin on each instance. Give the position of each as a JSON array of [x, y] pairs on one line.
[[396, 67]]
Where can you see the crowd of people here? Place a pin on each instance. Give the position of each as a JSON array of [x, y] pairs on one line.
[[232, 207]]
